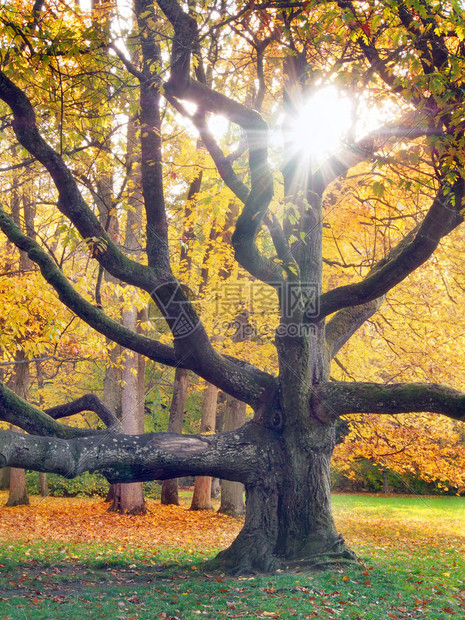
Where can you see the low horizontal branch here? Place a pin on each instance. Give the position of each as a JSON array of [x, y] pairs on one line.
[[22, 414], [342, 398], [135, 458]]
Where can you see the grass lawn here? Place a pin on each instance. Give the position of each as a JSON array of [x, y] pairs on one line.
[[70, 559]]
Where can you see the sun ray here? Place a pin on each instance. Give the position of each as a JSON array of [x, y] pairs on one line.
[[320, 126]]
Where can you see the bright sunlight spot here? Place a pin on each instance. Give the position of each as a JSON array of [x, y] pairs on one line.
[[322, 123]]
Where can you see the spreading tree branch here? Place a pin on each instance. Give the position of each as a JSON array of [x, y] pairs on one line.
[[343, 398], [345, 323], [414, 250], [89, 313], [244, 381], [18, 412], [410, 128], [71, 203], [135, 458]]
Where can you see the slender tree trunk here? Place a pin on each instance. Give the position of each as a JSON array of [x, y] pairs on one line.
[[385, 481], [43, 484], [232, 493], [216, 488], [112, 382], [201, 499], [112, 396], [18, 494], [169, 489], [129, 497], [5, 478]]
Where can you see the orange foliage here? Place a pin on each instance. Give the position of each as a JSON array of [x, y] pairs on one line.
[[86, 520], [79, 520]]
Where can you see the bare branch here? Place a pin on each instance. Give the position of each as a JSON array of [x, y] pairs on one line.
[[365, 149], [346, 322], [222, 163]]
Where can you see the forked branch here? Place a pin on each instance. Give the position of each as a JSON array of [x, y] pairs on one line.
[[89, 313], [71, 203], [260, 195], [244, 381], [88, 402], [20, 413]]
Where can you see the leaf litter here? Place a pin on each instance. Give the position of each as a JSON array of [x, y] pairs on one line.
[[411, 569]]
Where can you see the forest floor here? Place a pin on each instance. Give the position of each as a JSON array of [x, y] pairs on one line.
[[71, 559]]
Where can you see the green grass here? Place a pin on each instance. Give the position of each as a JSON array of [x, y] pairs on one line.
[[412, 566], [431, 506]]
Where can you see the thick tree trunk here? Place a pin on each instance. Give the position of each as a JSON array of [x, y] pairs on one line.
[[232, 493], [289, 522], [286, 475], [169, 492], [202, 495], [169, 489], [18, 494], [307, 533], [201, 498], [128, 498]]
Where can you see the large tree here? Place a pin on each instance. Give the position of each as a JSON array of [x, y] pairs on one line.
[[238, 60]]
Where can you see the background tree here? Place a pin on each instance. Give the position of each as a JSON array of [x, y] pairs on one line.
[[404, 57]]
